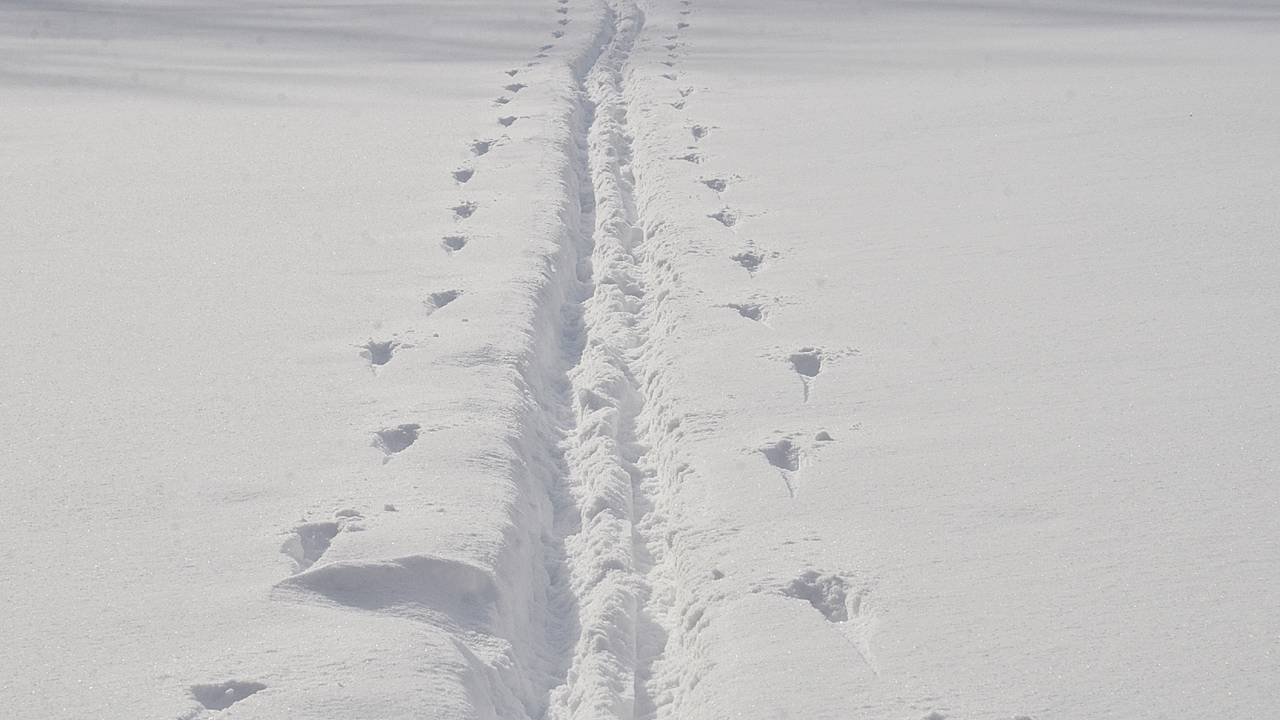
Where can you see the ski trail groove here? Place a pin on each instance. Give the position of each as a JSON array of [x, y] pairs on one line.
[[605, 527]]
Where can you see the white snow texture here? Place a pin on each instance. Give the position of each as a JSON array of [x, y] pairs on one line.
[[640, 359]]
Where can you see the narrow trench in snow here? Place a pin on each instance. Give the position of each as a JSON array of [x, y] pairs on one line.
[[604, 561]]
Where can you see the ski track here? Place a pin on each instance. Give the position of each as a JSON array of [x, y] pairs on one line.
[[610, 449], [626, 596]]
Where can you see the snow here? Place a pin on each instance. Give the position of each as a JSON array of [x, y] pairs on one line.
[[639, 359]]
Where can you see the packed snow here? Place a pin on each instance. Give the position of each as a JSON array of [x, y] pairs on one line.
[[640, 359]]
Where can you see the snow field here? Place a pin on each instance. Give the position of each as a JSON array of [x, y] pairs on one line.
[[639, 359]]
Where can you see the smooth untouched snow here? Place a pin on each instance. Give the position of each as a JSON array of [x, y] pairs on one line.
[[645, 359]]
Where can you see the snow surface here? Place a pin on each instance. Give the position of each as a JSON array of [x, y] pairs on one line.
[[588, 359]]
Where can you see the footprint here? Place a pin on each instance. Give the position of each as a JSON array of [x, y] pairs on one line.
[[453, 243], [671, 46], [545, 48], [396, 439], [669, 76], [379, 352], [220, 696], [828, 594], [692, 157], [562, 10], [464, 209], [502, 100], [686, 92], [514, 87], [480, 147], [751, 311], [717, 184], [682, 25], [507, 121], [309, 541], [784, 455], [563, 21], [557, 34], [699, 131], [513, 72], [725, 217], [679, 104], [437, 300], [807, 362], [462, 175], [750, 259], [669, 64]]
